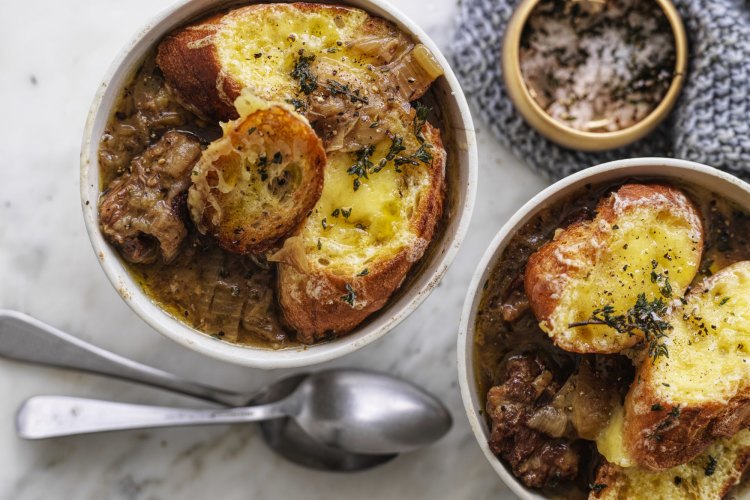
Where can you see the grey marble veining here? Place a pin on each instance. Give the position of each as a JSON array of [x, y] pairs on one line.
[[52, 57]]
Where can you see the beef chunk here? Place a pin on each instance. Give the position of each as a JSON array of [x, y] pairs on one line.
[[141, 211], [537, 459]]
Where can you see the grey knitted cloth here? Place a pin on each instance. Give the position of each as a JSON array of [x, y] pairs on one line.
[[710, 123]]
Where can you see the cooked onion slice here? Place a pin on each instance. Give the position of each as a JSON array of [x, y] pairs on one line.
[[549, 420], [413, 73]]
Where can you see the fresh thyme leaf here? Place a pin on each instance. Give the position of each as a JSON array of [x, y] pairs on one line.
[[374, 124], [662, 279], [362, 166], [277, 157], [302, 72], [724, 301], [363, 272], [324, 223], [338, 88], [421, 154], [397, 145], [350, 296], [666, 290], [262, 160], [657, 407], [336, 212], [597, 487], [298, 104], [710, 466], [251, 130], [319, 244], [346, 213], [420, 117]]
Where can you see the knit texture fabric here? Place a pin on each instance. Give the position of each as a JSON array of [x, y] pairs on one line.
[[710, 123]]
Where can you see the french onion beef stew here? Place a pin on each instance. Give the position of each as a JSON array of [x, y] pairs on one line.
[[612, 344], [271, 175]]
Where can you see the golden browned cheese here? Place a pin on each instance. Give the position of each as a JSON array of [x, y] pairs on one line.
[[257, 183], [645, 239], [357, 246]]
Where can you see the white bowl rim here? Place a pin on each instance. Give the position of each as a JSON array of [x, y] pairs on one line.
[[302, 355], [466, 332]]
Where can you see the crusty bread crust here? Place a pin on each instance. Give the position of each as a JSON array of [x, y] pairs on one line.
[[193, 73], [311, 301], [680, 440], [192, 69], [577, 249], [732, 457]]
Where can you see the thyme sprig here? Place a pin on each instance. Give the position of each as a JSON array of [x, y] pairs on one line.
[[362, 166], [646, 317], [421, 154], [338, 88]]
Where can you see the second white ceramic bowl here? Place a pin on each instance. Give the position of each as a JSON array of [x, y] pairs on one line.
[[721, 183], [461, 172]]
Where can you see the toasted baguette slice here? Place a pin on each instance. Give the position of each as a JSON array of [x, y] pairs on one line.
[[645, 239], [257, 182], [274, 51], [678, 405], [709, 476], [357, 245]]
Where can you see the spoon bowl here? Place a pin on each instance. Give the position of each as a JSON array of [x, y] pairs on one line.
[[367, 412], [287, 438]]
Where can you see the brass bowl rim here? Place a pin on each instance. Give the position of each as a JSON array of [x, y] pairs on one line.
[[568, 136]]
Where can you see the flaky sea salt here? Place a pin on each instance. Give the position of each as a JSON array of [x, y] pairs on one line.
[[597, 65]]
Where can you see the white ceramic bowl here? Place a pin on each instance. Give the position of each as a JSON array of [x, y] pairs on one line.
[[462, 172], [709, 178]]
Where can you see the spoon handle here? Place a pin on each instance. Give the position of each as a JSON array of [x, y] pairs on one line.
[[43, 417], [23, 338]]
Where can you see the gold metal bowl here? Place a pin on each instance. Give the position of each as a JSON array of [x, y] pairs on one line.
[[568, 136]]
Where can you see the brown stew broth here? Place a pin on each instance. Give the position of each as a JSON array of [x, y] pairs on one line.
[[727, 240]]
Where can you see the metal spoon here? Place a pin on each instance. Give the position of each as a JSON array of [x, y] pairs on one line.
[[26, 339], [353, 410]]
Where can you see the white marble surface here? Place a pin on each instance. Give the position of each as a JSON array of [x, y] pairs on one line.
[[52, 56]]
